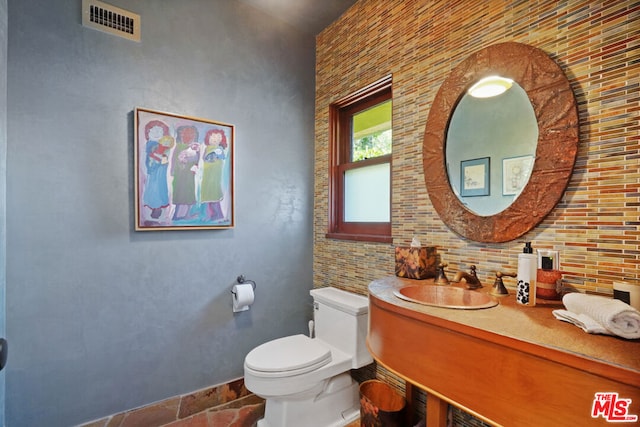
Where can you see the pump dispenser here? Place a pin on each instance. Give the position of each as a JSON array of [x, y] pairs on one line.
[[527, 270]]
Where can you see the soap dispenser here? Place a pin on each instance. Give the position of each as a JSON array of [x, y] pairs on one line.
[[527, 270]]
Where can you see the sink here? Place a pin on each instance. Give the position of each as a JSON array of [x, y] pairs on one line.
[[446, 296]]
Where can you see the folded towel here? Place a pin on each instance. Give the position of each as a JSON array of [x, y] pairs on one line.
[[614, 316], [582, 321]]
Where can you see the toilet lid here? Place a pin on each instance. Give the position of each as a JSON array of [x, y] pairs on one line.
[[291, 355]]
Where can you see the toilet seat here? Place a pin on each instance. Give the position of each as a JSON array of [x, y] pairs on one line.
[[288, 356]]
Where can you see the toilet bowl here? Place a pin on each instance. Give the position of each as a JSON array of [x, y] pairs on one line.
[[306, 381]]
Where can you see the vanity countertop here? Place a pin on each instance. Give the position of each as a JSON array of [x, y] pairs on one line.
[[528, 325], [502, 362]]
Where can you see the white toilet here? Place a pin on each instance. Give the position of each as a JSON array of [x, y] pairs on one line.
[[306, 381]]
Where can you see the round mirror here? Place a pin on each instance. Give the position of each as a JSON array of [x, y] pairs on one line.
[[490, 147], [556, 116]]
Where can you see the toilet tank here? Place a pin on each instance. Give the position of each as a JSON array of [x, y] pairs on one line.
[[341, 320]]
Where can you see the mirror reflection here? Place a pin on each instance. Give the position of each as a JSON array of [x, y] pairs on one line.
[[556, 113], [490, 147]]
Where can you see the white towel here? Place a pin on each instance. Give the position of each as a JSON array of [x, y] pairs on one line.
[[582, 321], [613, 316]]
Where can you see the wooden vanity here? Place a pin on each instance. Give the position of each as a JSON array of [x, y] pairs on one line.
[[508, 365]]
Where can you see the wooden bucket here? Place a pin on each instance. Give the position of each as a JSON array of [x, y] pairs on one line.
[[380, 405]]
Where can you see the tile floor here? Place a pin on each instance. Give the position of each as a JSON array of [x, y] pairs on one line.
[[245, 413], [224, 405], [228, 405]]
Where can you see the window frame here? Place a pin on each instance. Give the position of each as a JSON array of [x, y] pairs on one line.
[[340, 118]]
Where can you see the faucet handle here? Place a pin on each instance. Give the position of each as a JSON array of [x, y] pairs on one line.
[[441, 278], [498, 286], [472, 270], [474, 283], [500, 274]]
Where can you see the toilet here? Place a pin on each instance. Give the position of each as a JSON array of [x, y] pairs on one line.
[[306, 381]]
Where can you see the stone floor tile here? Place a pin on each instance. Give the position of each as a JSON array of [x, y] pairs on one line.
[[116, 420], [97, 423], [198, 401], [153, 415], [246, 416], [198, 420], [233, 390], [251, 399]]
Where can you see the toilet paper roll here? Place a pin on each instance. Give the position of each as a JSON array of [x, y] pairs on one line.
[[242, 297]]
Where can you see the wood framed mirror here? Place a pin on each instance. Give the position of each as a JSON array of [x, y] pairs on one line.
[[555, 108]]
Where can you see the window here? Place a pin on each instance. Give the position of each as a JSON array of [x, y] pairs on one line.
[[360, 165]]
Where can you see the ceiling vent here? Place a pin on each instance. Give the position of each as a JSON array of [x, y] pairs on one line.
[[110, 19]]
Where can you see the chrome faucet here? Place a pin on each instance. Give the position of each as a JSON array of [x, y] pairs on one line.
[[471, 278]]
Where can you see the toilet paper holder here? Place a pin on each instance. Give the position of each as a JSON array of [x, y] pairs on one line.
[[242, 295], [240, 279]]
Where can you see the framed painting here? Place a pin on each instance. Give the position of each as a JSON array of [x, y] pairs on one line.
[[184, 172], [474, 177], [515, 174]]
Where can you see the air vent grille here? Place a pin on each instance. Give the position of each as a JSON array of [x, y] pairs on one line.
[[110, 19]]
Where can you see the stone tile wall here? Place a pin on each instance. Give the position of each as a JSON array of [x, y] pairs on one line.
[[595, 227]]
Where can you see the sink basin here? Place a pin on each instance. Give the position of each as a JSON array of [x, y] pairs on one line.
[[446, 296]]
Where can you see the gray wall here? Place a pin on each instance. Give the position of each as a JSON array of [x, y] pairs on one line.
[[101, 318], [3, 192]]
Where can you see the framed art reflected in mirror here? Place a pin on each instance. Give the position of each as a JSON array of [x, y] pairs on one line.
[[515, 174], [474, 177]]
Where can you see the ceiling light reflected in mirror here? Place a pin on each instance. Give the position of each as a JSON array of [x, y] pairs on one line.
[[490, 86]]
